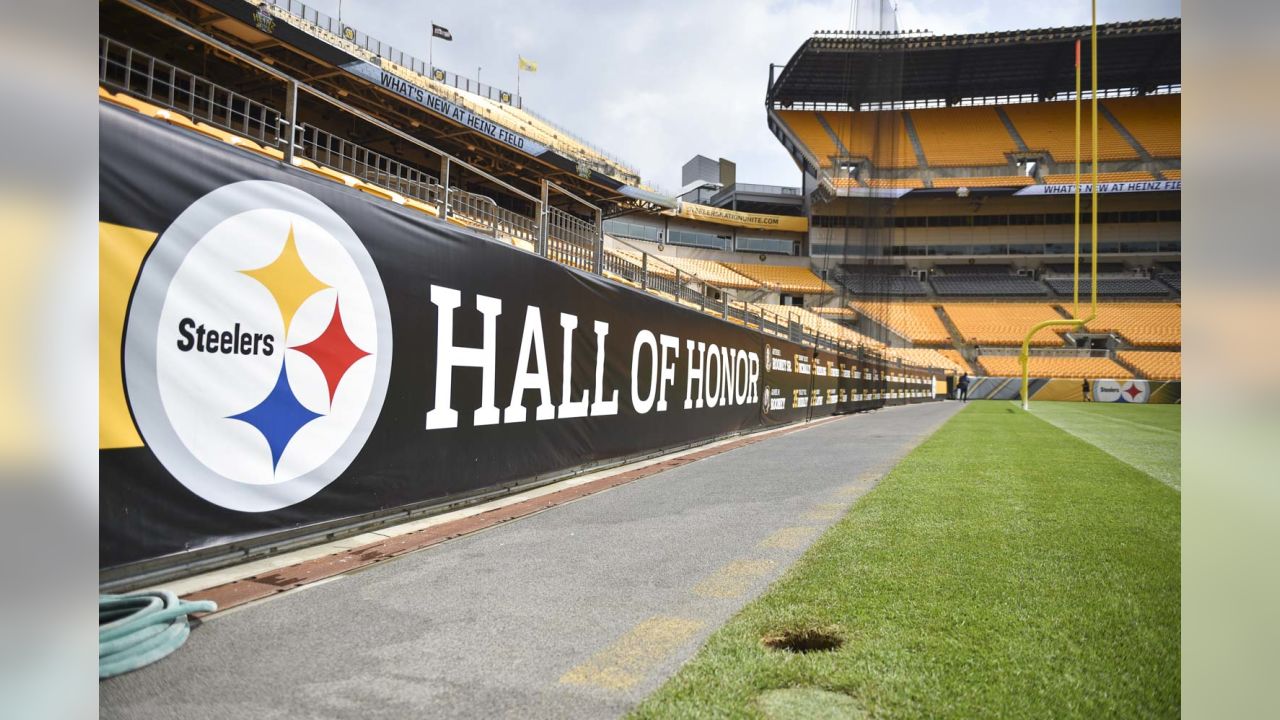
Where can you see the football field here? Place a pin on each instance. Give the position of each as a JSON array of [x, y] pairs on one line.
[[1014, 565]]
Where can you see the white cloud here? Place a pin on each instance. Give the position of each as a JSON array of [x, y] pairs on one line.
[[657, 82]]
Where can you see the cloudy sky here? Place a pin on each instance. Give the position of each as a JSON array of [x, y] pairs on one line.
[[658, 81]]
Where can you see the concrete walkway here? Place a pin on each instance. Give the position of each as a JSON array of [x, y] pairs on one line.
[[579, 611]]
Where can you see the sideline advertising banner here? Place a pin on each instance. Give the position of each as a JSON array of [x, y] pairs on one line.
[[281, 353], [1125, 390], [1104, 187], [758, 221]]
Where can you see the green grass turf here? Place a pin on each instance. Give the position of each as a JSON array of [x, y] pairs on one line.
[[1005, 568], [1145, 436]]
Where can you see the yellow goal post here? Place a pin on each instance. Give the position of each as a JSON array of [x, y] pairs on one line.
[[1024, 357]]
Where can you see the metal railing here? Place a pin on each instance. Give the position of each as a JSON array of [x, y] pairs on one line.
[[551, 232], [325, 148], [1049, 352], [760, 188], [152, 79], [485, 212], [571, 240]]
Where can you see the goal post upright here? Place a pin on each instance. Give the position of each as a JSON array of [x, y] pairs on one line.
[[1024, 355]]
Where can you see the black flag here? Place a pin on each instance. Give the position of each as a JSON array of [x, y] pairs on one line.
[[441, 32]]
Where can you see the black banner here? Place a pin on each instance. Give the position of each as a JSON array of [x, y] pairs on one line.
[[295, 353]]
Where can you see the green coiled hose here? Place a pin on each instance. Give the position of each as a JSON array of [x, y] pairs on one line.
[[137, 629]]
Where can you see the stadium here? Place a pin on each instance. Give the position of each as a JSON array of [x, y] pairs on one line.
[[540, 438]]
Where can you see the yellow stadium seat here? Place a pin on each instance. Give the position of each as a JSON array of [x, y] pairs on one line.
[[783, 278], [1052, 127], [881, 137], [218, 134], [1154, 121], [917, 322], [385, 194], [422, 207], [962, 136], [993, 181], [815, 323], [924, 357], [954, 356], [332, 174], [808, 130], [1106, 177], [895, 183], [710, 271], [175, 118], [140, 106], [1092, 368], [1142, 324], [1004, 323], [270, 152], [1154, 365]]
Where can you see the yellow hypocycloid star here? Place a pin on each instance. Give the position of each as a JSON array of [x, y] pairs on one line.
[[288, 280]]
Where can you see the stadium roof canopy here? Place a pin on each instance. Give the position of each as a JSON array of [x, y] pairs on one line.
[[856, 68]]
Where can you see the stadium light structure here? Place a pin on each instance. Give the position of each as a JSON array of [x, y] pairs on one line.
[[1076, 320]]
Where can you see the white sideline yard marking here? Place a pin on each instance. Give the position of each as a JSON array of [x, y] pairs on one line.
[[734, 579], [1109, 442], [1143, 426], [631, 657]]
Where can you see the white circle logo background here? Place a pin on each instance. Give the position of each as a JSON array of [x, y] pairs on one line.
[[185, 401], [1135, 391]]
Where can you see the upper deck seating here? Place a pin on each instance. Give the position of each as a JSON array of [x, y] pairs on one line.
[[1003, 323], [1092, 368], [1154, 121], [916, 322], [783, 278], [881, 284], [1051, 126], [962, 136], [978, 284], [808, 130], [1154, 365], [1147, 324], [881, 137], [1111, 286]]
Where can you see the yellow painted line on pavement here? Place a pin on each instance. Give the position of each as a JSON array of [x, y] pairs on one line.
[[791, 538], [734, 579], [630, 659], [824, 512], [853, 490], [874, 474]]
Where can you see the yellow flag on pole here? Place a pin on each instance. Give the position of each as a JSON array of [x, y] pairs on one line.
[[527, 65]]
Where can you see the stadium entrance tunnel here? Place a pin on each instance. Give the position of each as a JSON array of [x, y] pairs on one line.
[[804, 640]]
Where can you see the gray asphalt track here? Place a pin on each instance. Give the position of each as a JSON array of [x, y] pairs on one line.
[[580, 611]]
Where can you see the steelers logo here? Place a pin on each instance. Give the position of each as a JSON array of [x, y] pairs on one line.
[[1126, 391], [258, 347]]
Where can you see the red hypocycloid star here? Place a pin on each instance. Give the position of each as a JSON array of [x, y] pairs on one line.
[[333, 351]]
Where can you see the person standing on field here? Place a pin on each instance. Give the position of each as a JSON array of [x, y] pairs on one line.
[[963, 387], [1084, 389]]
